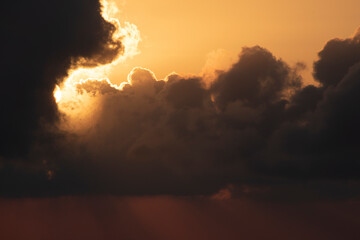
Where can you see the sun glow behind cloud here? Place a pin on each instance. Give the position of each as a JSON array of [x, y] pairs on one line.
[[66, 95]]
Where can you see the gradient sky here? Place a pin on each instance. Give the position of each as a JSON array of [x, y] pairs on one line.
[[178, 35]]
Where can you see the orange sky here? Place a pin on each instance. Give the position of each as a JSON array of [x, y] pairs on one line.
[[179, 35]]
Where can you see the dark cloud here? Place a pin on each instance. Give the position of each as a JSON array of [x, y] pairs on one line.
[[257, 78], [185, 93], [255, 129], [40, 41], [337, 57]]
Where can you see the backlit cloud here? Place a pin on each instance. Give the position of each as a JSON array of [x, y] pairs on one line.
[[254, 129]]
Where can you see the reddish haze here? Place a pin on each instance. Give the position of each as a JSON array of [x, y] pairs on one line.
[[174, 218]]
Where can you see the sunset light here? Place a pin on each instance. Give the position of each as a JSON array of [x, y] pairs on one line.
[[180, 120], [129, 36]]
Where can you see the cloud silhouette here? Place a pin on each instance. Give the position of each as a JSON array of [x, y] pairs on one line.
[[41, 40], [255, 131]]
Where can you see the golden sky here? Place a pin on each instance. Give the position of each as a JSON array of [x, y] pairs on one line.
[[179, 35]]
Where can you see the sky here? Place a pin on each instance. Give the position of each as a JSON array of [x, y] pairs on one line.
[[179, 36], [180, 120]]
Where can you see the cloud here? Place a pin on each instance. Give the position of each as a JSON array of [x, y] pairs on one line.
[[257, 78], [335, 60], [41, 41], [254, 127]]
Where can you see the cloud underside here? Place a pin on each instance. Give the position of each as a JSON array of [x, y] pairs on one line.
[[255, 131]]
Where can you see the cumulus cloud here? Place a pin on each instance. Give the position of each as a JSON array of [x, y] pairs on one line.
[[255, 128], [336, 59]]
